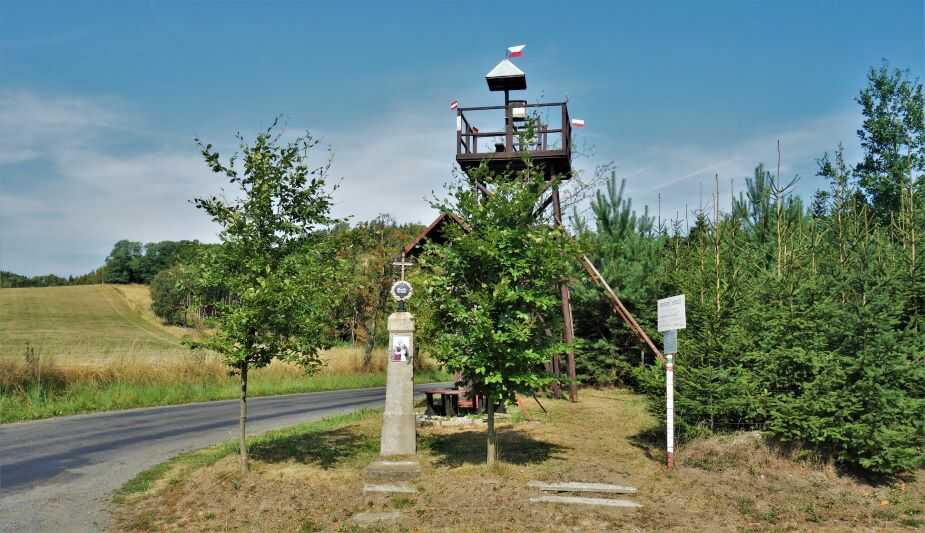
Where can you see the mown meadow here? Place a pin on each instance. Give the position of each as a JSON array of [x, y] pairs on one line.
[[70, 350]]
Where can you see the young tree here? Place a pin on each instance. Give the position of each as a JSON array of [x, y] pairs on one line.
[[628, 249], [276, 260], [892, 136], [494, 287]]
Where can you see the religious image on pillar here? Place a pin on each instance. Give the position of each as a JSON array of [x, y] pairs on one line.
[[401, 351]]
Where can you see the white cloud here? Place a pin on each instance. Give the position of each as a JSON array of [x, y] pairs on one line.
[[33, 126], [92, 194], [393, 164], [79, 195], [678, 171], [85, 190]]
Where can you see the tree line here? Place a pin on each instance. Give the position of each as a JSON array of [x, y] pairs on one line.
[[179, 298], [366, 249], [128, 262]]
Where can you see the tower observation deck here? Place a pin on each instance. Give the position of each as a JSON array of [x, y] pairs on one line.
[[496, 134]]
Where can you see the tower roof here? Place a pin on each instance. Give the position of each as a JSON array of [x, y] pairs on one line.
[[506, 77]]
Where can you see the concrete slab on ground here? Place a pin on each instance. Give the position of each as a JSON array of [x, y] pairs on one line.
[[369, 519], [576, 500], [578, 486], [393, 470], [389, 488]]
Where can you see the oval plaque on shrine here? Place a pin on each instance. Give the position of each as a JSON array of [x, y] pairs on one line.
[[401, 290]]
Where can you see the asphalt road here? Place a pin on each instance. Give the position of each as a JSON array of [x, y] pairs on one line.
[[59, 474]]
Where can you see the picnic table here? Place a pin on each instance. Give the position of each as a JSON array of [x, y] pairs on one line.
[[450, 401]]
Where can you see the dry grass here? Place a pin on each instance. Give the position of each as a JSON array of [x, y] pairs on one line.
[[105, 331], [191, 366], [38, 387], [139, 299], [311, 480]]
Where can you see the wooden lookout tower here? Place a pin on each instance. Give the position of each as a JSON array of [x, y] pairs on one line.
[[505, 138], [494, 135]]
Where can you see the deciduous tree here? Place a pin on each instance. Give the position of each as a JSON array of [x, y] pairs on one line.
[[493, 288], [275, 259]]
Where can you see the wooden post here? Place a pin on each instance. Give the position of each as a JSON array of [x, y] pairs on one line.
[[569, 327], [617, 305], [556, 368], [566, 131], [459, 137], [508, 124], [492, 448]]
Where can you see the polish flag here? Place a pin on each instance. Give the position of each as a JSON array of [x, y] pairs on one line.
[[578, 123], [516, 51], [454, 104]]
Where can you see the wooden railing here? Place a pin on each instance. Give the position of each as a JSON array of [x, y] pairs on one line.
[[468, 136]]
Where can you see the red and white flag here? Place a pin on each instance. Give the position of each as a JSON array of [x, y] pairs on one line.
[[578, 123], [454, 104], [516, 51]]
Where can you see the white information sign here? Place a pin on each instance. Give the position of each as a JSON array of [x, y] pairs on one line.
[[671, 313]]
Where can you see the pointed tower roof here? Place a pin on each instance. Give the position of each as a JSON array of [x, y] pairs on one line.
[[506, 77]]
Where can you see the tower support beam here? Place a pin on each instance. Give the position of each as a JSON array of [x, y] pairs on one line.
[[568, 325]]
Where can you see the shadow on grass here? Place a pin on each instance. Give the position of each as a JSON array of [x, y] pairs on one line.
[[468, 447], [651, 441], [326, 449]]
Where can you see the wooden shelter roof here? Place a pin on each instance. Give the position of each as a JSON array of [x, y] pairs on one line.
[[433, 233]]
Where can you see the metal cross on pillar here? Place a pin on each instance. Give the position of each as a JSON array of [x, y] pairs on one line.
[[402, 263], [401, 289]]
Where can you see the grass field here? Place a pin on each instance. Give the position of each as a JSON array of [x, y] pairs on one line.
[[310, 478], [99, 347], [85, 325]]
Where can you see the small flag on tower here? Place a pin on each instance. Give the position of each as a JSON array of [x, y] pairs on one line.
[[454, 104], [578, 123], [516, 51]]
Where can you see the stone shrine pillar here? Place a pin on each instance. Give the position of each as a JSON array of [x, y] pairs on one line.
[[398, 422]]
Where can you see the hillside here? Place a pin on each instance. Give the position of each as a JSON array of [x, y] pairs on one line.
[[84, 324]]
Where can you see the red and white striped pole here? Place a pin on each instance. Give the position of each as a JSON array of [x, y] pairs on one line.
[[669, 411], [672, 316]]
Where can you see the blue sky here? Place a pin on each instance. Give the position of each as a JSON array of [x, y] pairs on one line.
[[100, 101]]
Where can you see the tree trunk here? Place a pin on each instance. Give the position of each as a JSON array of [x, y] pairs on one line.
[[492, 437], [243, 420], [370, 344]]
